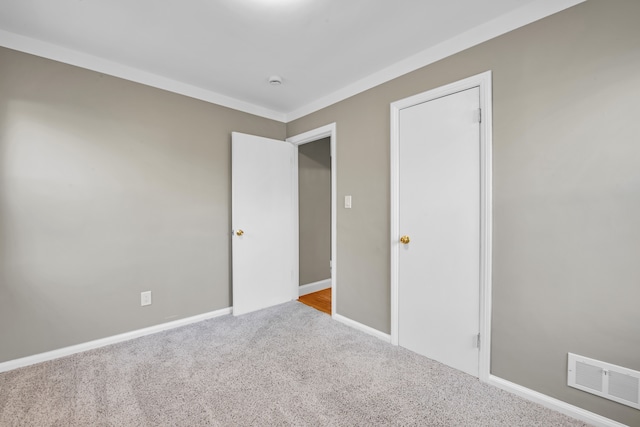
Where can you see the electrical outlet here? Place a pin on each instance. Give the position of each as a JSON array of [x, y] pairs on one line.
[[145, 298]]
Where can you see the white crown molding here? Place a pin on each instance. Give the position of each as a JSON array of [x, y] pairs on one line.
[[67, 351], [94, 63], [501, 25]]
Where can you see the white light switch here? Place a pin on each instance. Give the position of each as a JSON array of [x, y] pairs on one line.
[[347, 202], [145, 298]]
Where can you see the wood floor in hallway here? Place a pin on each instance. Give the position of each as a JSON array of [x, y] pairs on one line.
[[320, 300]]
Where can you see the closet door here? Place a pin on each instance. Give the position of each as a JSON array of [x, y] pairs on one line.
[[439, 223]]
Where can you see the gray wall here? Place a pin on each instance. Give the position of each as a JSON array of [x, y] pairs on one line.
[[108, 188], [314, 195], [566, 194]]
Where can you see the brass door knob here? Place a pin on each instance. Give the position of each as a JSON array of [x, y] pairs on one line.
[[239, 233], [404, 240]]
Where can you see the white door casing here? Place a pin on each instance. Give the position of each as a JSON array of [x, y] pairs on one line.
[[263, 250], [304, 138], [440, 187]]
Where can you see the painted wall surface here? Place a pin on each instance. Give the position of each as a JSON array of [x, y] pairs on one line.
[[108, 188], [566, 276], [314, 199]]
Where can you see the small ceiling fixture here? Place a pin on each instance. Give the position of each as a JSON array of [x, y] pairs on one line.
[[275, 80]]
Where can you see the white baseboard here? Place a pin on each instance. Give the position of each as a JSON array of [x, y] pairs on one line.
[[534, 396], [553, 403], [364, 328], [67, 351], [314, 287]]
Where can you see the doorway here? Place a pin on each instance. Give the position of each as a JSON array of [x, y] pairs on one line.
[[315, 160], [440, 223], [314, 210], [264, 219]]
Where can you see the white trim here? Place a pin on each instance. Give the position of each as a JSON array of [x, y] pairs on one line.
[[553, 403], [94, 63], [295, 206], [313, 135], [486, 223], [303, 138], [362, 328], [501, 25], [483, 81], [310, 288], [79, 348]]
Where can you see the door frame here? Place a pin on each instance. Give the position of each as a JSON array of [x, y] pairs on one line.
[[297, 140], [483, 81]]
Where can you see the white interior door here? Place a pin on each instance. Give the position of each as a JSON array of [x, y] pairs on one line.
[[263, 222], [439, 199]]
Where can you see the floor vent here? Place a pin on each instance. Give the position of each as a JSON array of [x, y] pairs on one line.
[[603, 379]]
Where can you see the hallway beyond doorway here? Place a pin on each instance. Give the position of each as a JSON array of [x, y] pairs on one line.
[[320, 300]]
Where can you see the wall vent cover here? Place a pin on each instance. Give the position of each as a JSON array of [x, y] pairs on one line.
[[603, 379]]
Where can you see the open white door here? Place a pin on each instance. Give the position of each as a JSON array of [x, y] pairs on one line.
[[263, 222]]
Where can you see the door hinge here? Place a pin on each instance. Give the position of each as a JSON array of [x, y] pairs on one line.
[[478, 340], [479, 115]]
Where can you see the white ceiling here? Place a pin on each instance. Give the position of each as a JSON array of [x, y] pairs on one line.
[[224, 50]]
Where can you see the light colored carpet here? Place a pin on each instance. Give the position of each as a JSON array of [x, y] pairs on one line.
[[289, 365]]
